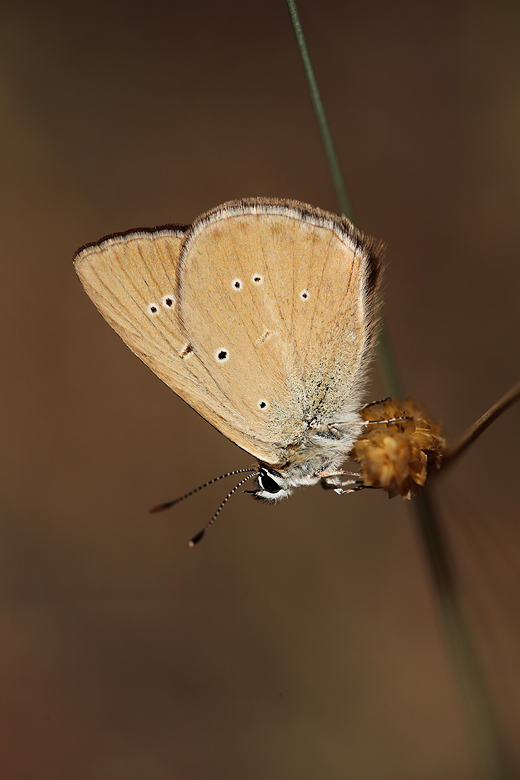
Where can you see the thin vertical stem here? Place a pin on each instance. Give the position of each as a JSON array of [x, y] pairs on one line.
[[490, 753], [488, 749], [319, 110], [386, 361]]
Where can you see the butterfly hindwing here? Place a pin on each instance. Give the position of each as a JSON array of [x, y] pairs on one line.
[[275, 298]]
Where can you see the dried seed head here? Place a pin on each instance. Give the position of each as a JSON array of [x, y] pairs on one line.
[[396, 456]]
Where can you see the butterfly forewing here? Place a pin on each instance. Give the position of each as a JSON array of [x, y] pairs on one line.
[[132, 281]]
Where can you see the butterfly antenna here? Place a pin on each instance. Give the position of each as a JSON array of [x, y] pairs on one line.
[[196, 539], [168, 504]]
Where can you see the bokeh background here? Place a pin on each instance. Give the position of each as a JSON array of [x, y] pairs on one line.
[[301, 640]]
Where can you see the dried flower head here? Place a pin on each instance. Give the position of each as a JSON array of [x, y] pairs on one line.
[[395, 456]]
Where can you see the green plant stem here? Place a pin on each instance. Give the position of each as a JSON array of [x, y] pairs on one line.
[[488, 750], [387, 364], [386, 360], [319, 110]]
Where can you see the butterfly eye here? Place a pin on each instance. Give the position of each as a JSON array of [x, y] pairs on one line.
[[267, 483]]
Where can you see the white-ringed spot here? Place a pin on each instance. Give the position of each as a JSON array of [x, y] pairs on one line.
[[153, 308], [168, 301], [304, 295], [263, 404], [236, 284], [258, 279], [221, 355]]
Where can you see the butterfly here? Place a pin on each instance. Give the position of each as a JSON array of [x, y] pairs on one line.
[[262, 316]]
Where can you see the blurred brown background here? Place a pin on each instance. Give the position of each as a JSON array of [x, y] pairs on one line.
[[297, 641]]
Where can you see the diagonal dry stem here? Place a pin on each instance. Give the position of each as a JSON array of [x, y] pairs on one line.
[[454, 451]]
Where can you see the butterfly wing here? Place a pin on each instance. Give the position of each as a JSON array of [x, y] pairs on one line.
[[259, 316], [132, 280], [277, 299]]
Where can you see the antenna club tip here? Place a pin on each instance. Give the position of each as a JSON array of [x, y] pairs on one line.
[[196, 539], [158, 508]]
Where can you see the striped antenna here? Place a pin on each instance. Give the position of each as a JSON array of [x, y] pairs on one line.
[[168, 504], [196, 539]]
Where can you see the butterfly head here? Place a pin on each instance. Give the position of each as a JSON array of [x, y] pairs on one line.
[[271, 485], [274, 485]]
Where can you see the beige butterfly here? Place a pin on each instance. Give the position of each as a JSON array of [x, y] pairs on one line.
[[261, 315]]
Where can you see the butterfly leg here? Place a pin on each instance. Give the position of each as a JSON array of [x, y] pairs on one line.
[[385, 422], [379, 422], [331, 481], [365, 423], [373, 403], [327, 474]]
